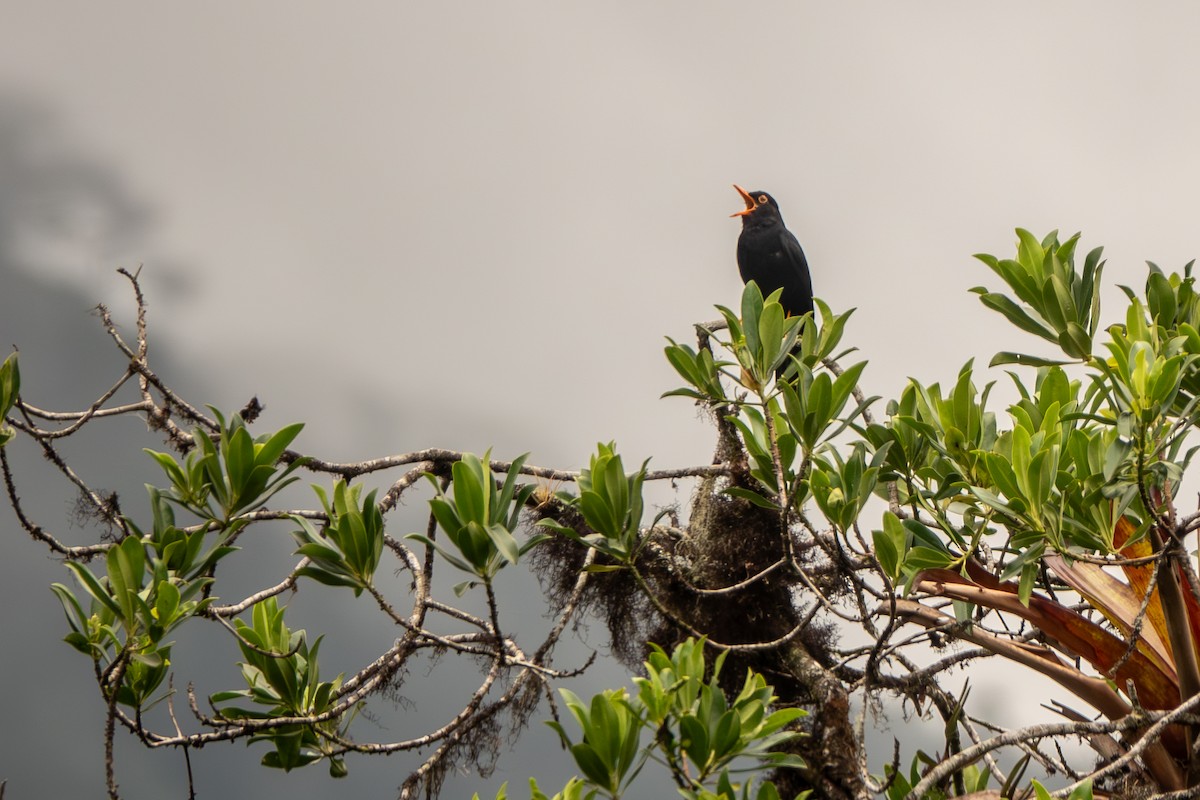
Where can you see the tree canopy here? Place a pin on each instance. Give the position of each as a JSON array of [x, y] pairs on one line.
[[842, 555]]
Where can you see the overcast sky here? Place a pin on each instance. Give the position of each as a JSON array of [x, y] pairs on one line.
[[471, 225]]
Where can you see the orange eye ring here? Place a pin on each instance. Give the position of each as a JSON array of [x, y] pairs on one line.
[[762, 198]]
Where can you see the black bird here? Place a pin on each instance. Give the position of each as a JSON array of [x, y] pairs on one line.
[[769, 255]]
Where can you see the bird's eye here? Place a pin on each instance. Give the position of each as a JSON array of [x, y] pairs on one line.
[[762, 198]]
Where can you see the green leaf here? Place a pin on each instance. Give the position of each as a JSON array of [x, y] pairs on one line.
[[1114, 456], [598, 514], [504, 541], [166, 602], [270, 452], [94, 587], [591, 765], [891, 545], [10, 388], [1040, 792], [126, 564], [694, 739], [727, 734], [1015, 314], [453, 559], [691, 394], [778, 719], [923, 534], [328, 577], [770, 330], [1075, 341], [752, 496], [463, 587], [1160, 299], [469, 494], [920, 558], [75, 616], [239, 460], [752, 306], [1029, 574], [447, 516], [604, 568], [1024, 360], [319, 551]]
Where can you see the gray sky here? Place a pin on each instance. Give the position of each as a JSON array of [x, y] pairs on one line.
[[472, 225]]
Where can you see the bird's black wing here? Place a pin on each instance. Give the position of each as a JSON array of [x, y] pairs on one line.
[[798, 291]]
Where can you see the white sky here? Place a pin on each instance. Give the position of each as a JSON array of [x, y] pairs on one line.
[[468, 225], [404, 189]]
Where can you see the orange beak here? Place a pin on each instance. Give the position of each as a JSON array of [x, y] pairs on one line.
[[750, 204]]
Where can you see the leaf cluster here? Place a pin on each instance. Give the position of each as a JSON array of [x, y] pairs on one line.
[[347, 550], [610, 501], [283, 680], [232, 474], [480, 517], [1060, 304], [695, 731], [153, 583]]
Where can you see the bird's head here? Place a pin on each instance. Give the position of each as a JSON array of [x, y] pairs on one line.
[[760, 207]]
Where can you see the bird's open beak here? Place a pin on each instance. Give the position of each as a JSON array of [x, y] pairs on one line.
[[750, 204]]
